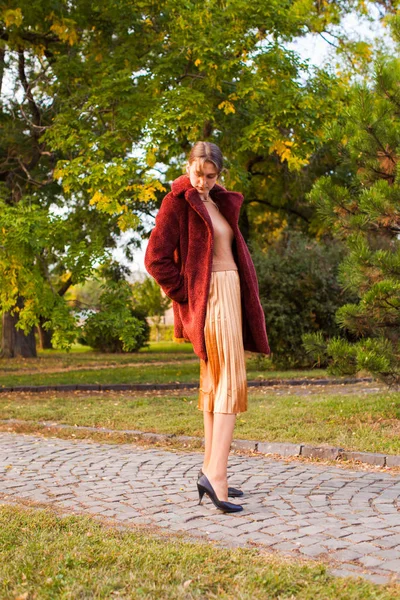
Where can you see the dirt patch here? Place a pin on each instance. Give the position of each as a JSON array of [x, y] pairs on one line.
[[279, 390]]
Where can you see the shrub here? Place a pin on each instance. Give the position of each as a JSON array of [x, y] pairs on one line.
[[300, 293], [161, 333], [117, 326]]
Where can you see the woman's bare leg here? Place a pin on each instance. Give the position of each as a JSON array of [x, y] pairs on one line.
[[208, 437], [216, 470]]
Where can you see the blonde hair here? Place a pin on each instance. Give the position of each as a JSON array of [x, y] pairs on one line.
[[207, 152]]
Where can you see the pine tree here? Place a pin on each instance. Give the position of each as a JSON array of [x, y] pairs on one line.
[[361, 203]]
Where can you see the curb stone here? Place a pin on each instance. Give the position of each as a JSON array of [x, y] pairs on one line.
[[279, 448], [324, 452], [171, 386], [369, 457]]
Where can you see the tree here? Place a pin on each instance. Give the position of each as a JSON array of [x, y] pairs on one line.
[[364, 211], [85, 296], [107, 96], [149, 298], [159, 87], [50, 239]]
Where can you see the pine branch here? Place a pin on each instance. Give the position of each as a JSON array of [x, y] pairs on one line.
[[372, 132], [389, 96]]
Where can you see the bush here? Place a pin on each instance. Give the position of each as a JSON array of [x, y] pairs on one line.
[[161, 333], [117, 326], [300, 294]]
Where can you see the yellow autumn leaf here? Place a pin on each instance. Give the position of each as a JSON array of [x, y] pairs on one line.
[[151, 159], [197, 62], [58, 173], [127, 221], [97, 198], [13, 17], [65, 29], [296, 163], [227, 107], [282, 148], [65, 276], [40, 50]]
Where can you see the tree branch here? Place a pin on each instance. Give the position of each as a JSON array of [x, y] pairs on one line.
[[65, 286], [280, 208], [2, 66], [27, 88]]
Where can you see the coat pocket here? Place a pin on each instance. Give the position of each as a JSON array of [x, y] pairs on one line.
[[180, 295]]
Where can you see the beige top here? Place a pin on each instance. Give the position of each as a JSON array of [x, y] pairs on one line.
[[223, 259]]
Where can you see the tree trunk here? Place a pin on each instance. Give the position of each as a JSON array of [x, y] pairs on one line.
[[14, 342], [244, 224], [2, 65], [45, 336]]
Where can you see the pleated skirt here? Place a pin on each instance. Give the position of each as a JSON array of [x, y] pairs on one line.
[[223, 380]]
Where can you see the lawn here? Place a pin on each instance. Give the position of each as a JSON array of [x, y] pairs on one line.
[[162, 362], [45, 556], [365, 421]]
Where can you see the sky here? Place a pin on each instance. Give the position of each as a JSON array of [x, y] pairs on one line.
[[311, 47]]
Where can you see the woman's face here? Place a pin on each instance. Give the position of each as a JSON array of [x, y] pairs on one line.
[[202, 179]]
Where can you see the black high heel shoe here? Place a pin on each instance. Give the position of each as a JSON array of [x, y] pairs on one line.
[[205, 487], [232, 492]]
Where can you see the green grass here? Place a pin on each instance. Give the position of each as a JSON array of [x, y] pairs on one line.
[[365, 422], [47, 557], [84, 356], [162, 362], [183, 372]]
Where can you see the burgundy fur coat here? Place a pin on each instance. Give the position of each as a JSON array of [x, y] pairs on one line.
[[179, 256]]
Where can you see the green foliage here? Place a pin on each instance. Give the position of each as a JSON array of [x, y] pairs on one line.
[[364, 212], [126, 77], [102, 94], [300, 293], [315, 345], [344, 357], [162, 333], [85, 295], [116, 327], [374, 355], [149, 299], [30, 234]]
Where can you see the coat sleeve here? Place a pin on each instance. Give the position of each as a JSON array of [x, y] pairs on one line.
[[159, 257]]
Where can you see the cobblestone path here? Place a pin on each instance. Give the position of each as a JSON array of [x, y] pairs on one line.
[[348, 517]]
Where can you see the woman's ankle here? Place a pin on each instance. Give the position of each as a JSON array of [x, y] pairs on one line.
[[216, 477]]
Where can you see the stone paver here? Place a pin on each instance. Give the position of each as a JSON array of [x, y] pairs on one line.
[[350, 518]]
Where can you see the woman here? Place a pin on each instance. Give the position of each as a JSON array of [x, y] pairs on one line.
[[198, 256]]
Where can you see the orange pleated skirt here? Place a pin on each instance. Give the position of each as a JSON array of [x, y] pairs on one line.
[[223, 380]]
